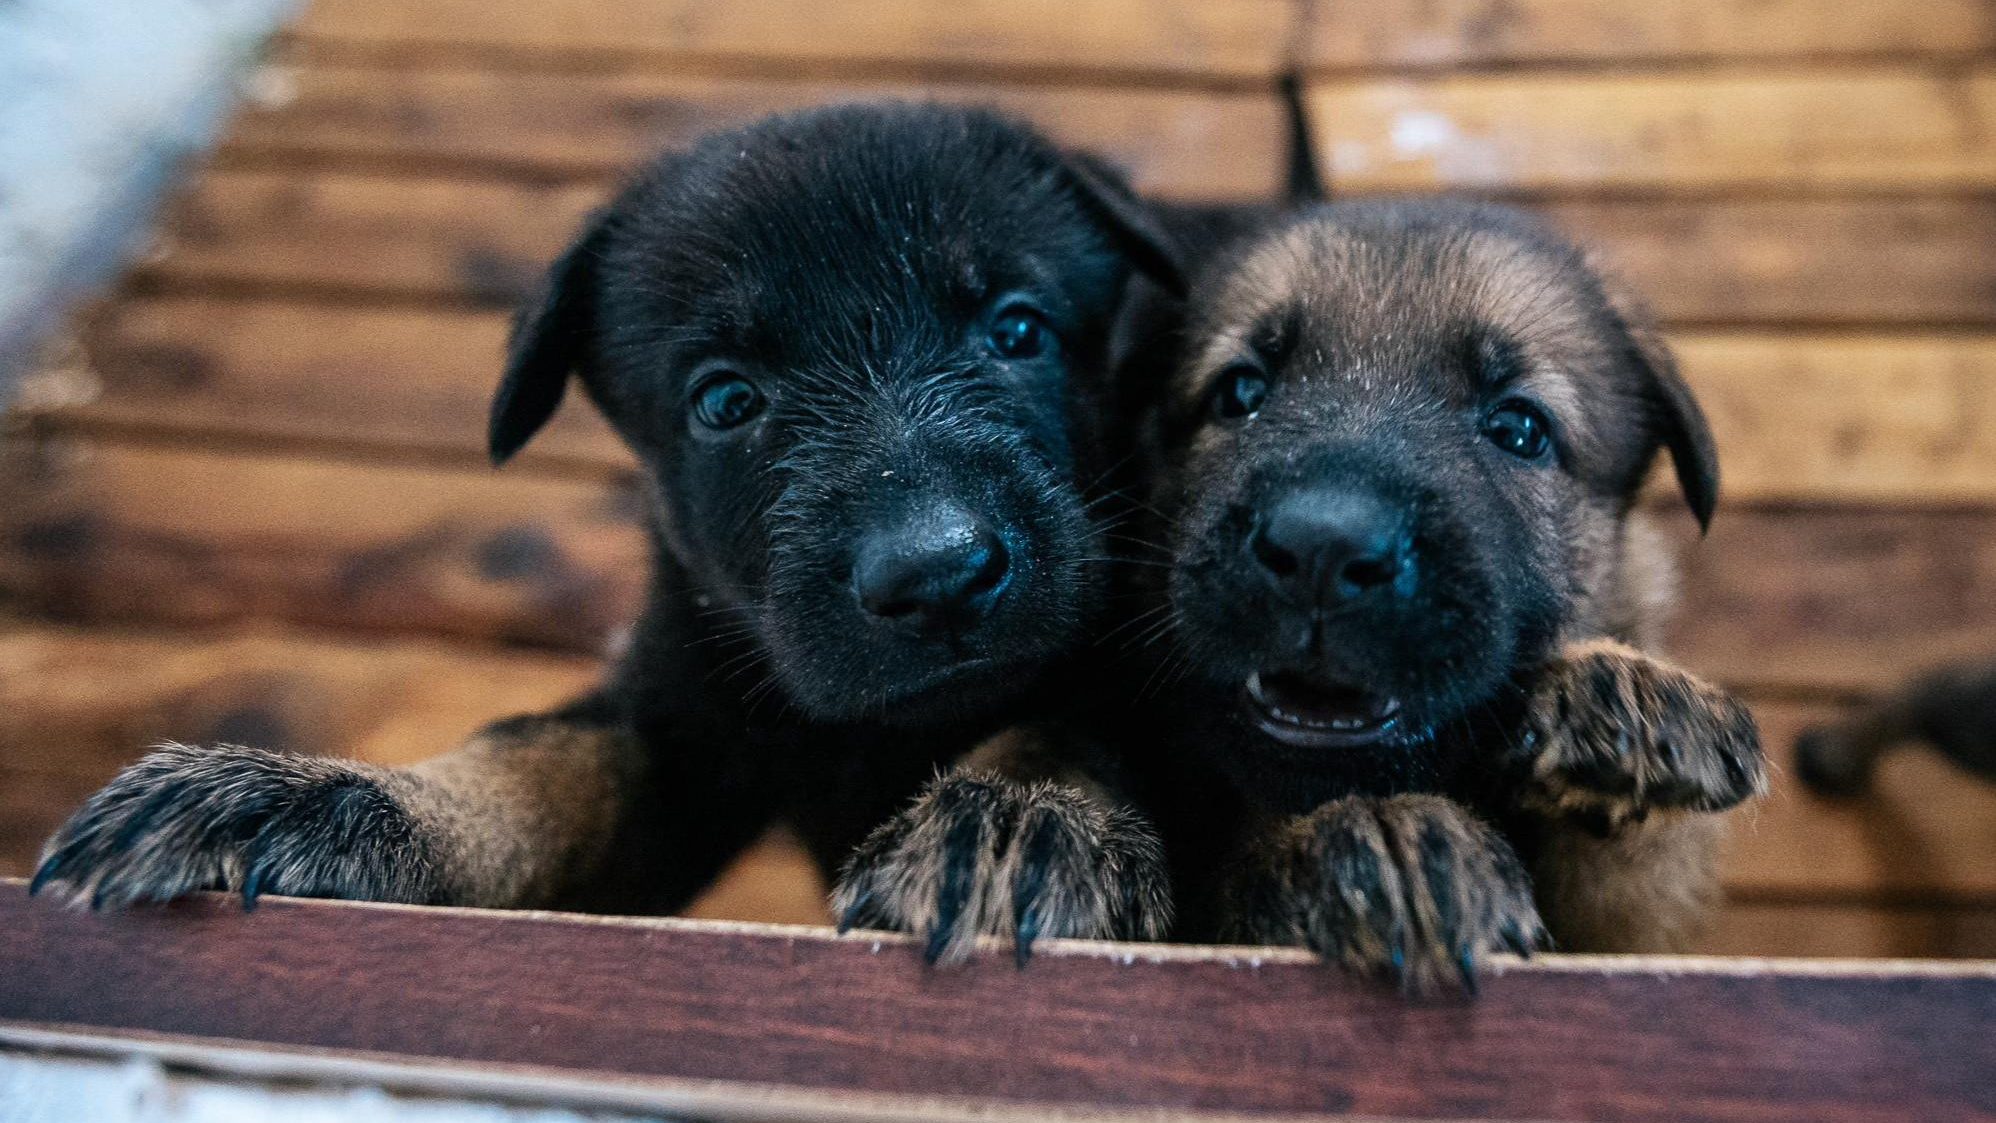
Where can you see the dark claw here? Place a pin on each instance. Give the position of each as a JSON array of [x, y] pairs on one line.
[[850, 916], [938, 940], [252, 885], [1465, 964], [44, 872], [1022, 940], [960, 848]]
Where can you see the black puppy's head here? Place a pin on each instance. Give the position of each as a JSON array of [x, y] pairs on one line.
[[1396, 459], [844, 343]]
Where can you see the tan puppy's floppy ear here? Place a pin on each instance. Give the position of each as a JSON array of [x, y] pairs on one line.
[[549, 341], [1679, 418], [1131, 225]]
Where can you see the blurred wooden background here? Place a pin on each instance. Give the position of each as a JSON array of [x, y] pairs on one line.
[[250, 504]]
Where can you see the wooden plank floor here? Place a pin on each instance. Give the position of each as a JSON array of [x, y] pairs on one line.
[[249, 502]]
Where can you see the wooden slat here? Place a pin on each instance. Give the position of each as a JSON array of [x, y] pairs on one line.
[[1197, 144], [1480, 32], [254, 370], [109, 532], [1907, 418], [1788, 261], [1886, 129], [1812, 261], [1850, 418], [1086, 1026], [1224, 37], [1835, 599], [483, 240]]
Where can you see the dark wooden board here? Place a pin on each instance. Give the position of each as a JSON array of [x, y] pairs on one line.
[[1240, 1031]]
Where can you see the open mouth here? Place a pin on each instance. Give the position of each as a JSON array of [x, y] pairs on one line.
[[1309, 714]]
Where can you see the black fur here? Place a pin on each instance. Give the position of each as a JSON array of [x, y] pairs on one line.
[[848, 261]]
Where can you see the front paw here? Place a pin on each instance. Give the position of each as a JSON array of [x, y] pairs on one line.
[[184, 819], [983, 856], [1413, 888], [1611, 734]]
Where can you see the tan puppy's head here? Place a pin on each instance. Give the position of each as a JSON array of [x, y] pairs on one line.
[[1396, 456]]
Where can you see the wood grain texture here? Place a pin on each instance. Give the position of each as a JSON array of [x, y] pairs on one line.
[[1849, 418], [1834, 598], [678, 1001], [485, 240], [1884, 129], [250, 371], [1223, 37], [107, 532], [1830, 261], [1437, 33], [1197, 144]]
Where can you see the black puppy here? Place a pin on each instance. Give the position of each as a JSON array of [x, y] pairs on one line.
[[856, 350]]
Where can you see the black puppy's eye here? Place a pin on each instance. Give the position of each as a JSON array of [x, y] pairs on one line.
[[1019, 332], [1239, 392], [726, 399], [1518, 428]]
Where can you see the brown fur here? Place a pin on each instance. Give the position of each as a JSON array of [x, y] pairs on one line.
[[521, 815], [1413, 887], [1610, 776], [1013, 843]]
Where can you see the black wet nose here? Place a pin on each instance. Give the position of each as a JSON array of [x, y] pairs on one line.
[[1341, 544], [939, 571]]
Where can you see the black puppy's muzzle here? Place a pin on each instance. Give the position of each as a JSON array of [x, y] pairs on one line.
[[937, 572]]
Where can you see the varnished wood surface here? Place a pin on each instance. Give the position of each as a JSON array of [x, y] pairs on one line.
[[1218, 1031]]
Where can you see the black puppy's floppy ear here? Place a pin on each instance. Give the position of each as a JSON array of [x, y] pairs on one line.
[[549, 340], [1135, 230], [1686, 433]]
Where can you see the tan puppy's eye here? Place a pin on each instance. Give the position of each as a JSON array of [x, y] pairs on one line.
[[1239, 392], [1519, 428]]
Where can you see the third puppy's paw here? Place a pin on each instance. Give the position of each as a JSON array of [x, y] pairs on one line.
[[1414, 888], [184, 819], [978, 855], [1612, 733]]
